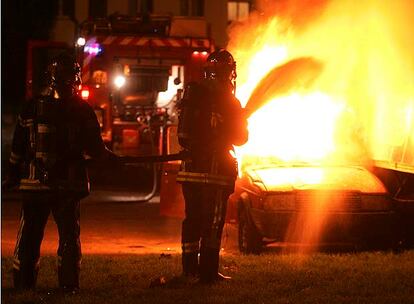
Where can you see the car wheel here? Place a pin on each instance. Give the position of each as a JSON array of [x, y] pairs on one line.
[[250, 241]]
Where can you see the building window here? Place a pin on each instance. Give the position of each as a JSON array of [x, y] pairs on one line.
[[238, 10], [98, 8], [192, 8]]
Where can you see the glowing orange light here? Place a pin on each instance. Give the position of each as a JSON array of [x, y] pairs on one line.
[[324, 178], [85, 93], [360, 108], [363, 104], [293, 128]]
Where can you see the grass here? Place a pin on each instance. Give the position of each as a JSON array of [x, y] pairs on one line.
[[374, 277]]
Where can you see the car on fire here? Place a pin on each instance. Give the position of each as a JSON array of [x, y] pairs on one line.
[[311, 204]]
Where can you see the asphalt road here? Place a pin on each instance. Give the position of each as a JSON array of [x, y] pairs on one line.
[[111, 222]]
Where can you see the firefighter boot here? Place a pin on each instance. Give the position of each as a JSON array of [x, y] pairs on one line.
[[68, 281], [68, 274], [189, 275], [190, 264], [209, 264]]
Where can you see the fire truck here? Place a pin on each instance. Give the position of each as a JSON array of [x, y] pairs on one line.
[[134, 70]]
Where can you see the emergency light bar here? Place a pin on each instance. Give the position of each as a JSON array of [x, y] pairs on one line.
[[93, 49]]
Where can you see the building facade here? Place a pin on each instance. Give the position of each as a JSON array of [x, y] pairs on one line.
[[217, 13]]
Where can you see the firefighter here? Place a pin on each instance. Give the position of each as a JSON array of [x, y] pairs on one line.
[[47, 164], [211, 121]]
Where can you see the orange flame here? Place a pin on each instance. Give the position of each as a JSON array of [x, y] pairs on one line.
[[367, 50], [293, 128], [360, 108]]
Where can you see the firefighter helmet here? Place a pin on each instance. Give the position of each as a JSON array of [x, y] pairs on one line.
[[220, 65], [64, 74]]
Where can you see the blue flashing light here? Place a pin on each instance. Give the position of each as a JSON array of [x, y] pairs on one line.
[[93, 49]]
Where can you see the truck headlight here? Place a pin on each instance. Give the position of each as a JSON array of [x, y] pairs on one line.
[[119, 81], [81, 41]]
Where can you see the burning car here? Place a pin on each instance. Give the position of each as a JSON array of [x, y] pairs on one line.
[[303, 171], [376, 121], [309, 204]]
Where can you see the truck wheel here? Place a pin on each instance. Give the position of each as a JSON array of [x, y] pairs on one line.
[[250, 241]]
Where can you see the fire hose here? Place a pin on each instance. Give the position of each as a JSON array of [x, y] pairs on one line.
[[135, 160]]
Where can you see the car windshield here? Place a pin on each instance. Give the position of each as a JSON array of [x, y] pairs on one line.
[[303, 177]]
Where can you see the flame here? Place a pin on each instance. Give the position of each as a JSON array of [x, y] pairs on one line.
[[293, 128], [267, 55], [366, 48], [292, 177], [360, 107]]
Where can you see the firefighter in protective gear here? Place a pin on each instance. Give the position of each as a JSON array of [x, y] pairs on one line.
[[211, 121], [47, 164]]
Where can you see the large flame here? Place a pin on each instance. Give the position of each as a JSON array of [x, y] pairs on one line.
[[357, 110], [293, 128], [360, 107]]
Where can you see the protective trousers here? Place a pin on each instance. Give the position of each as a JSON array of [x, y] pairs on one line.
[[205, 211], [34, 214]]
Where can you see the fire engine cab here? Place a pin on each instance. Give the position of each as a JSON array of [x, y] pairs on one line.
[[134, 70]]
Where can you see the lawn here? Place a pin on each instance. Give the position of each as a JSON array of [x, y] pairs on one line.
[[367, 277]]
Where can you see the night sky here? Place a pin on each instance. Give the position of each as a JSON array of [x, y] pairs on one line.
[[21, 20]]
